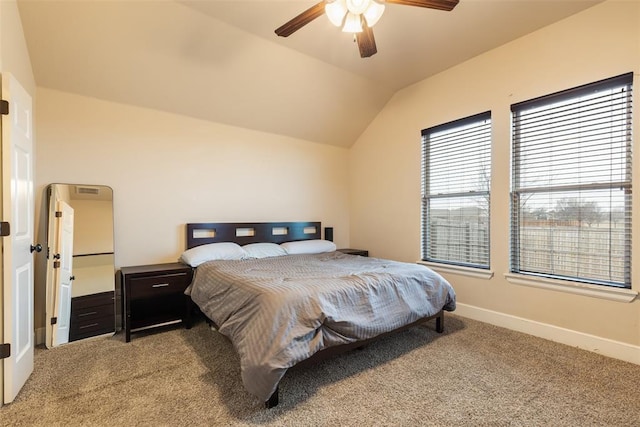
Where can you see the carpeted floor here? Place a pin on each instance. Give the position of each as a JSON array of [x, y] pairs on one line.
[[472, 375]]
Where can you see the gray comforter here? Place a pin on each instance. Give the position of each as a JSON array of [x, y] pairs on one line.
[[279, 311]]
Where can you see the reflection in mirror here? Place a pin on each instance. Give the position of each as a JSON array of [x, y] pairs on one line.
[[80, 263]]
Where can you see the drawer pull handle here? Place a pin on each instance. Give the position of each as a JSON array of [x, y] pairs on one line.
[[87, 314], [160, 285], [89, 326]]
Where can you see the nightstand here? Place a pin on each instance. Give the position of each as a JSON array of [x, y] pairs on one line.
[[348, 251], [153, 295], [92, 315]]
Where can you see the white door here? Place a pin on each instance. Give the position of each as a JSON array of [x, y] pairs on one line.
[[17, 258], [63, 273]]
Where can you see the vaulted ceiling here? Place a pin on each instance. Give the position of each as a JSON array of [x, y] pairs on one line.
[[221, 61]]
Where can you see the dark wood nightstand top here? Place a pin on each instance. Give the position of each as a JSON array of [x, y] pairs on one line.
[[349, 251], [154, 268]]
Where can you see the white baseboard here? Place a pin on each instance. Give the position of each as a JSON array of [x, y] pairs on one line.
[[606, 347]]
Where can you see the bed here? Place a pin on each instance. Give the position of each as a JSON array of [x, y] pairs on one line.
[[285, 297]]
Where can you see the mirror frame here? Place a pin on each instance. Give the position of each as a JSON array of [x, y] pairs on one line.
[[51, 317]]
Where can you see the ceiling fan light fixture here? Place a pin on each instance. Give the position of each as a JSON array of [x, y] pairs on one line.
[[336, 11], [356, 17], [353, 23], [357, 7], [373, 13]]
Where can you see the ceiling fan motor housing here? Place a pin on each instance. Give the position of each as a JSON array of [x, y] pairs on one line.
[[356, 16]]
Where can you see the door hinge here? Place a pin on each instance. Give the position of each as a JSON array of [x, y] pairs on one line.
[[5, 229], [58, 214], [54, 320], [4, 107], [5, 351], [56, 264]]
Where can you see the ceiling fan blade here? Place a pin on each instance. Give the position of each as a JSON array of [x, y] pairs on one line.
[[301, 20], [366, 41], [431, 4]]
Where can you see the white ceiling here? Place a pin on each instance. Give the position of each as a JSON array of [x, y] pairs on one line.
[[221, 60]]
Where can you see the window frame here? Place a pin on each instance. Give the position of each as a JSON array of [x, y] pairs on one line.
[[573, 94], [484, 121]]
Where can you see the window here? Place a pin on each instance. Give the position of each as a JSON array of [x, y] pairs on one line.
[[571, 184], [456, 175]]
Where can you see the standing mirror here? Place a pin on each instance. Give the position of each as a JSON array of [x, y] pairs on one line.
[[80, 263]]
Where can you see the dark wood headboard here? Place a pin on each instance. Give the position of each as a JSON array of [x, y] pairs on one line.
[[243, 233]]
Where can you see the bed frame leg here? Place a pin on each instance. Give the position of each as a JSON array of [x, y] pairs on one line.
[[273, 400], [440, 323]]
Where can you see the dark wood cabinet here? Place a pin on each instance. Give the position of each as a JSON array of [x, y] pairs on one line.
[[92, 315], [153, 295], [349, 251]]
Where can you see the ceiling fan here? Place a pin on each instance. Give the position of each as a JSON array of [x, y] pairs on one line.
[[356, 16]]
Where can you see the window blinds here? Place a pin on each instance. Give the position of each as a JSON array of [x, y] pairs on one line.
[[571, 184], [456, 175]]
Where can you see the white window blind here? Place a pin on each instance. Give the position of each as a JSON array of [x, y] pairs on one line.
[[456, 175], [571, 184]]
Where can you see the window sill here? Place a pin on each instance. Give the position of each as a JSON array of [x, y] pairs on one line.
[[596, 291], [478, 273]]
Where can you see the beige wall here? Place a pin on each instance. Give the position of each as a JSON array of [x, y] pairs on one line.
[[384, 166], [14, 57], [166, 170]]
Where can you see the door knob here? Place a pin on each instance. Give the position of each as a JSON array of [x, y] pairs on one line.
[[72, 277], [36, 248]]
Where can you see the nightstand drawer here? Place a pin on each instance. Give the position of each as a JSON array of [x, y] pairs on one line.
[[82, 314], [88, 327], [153, 286], [92, 315], [93, 300]]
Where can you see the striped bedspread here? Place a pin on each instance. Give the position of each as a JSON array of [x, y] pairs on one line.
[[279, 311]]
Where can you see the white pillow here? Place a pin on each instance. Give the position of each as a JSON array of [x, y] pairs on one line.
[[309, 247], [213, 251], [263, 250]]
